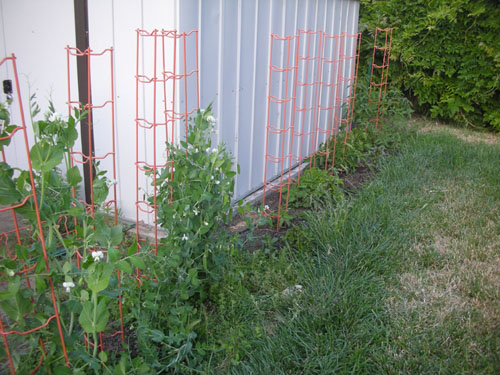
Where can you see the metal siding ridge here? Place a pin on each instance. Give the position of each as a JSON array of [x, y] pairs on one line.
[[200, 39], [237, 100], [220, 63], [267, 107], [282, 34], [252, 121]]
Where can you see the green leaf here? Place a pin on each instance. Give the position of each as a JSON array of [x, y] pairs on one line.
[[67, 267], [68, 135], [116, 235], [22, 252], [62, 370], [40, 266], [10, 309], [76, 211], [40, 284], [123, 266], [45, 157], [8, 191], [113, 254], [12, 289], [86, 318], [23, 180], [73, 306], [73, 176], [103, 356], [99, 275], [101, 190], [132, 249], [174, 261], [157, 335], [137, 262]]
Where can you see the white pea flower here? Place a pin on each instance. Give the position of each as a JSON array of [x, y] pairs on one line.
[[207, 150], [196, 150], [211, 177], [68, 285], [11, 273], [211, 119], [184, 237], [196, 212], [202, 110], [55, 116], [266, 207], [206, 224], [217, 182], [214, 150], [97, 255]]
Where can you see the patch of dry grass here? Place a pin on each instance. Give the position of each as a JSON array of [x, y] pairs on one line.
[[464, 134], [448, 299]]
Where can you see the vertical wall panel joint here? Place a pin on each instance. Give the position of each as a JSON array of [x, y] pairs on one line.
[[82, 43]]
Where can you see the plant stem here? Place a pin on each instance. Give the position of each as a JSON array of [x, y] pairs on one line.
[[71, 323], [94, 297]]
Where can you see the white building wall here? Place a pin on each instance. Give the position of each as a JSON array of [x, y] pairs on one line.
[[234, 64], [37, 32], [114, 24], [234, 39]]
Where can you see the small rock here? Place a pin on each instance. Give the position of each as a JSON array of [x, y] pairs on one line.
[[292, 290]]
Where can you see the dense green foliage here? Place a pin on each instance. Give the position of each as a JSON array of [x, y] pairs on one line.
[[84, 295], [193, 199], [445, 55]]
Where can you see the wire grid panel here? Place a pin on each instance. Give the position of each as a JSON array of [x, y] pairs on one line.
[[312, 80], [167, 94], [280, 122], [328, 103], [13, 237], [306, 109], [101, 151], [349, 80], [379, 73]]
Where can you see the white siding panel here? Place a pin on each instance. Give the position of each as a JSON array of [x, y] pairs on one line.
[[114, 24], [234, 66], [37, 33], [234, 41]]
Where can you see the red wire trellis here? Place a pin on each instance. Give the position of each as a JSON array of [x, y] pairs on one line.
[[352, 82], [21, 129], [383, 70], [322, 100], [281, 126], [309, 64], [89, 158], [166, 78]]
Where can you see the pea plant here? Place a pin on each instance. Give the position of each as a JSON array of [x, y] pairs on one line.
[[83, 290], [193, 201], [315, 185]]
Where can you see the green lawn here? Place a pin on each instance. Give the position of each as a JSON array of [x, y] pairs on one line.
[[402, 277]]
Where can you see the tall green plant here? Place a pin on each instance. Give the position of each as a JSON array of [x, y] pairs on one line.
[[83, 295], [193, 200]]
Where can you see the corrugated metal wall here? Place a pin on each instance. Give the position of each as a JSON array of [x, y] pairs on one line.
[[114, 23], [234, 63], [234, 41], [28, 30]]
